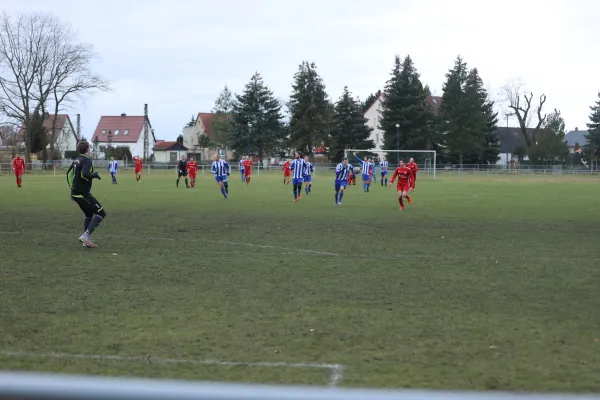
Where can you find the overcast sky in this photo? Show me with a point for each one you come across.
(177, 55)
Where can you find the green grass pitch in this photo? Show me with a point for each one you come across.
(483, 283)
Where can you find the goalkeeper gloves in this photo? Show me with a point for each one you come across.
(97, 176)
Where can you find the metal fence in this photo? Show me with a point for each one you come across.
(33, 386)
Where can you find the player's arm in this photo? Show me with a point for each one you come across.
(411, 178)
(357, 157)
(228, 168)
(69, 175)
(213, 168)
(86, 170)
(394, 177)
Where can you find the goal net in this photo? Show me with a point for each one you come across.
(425, 159)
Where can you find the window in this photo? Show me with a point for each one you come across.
(126, 132)
(221, 152)
(173, 156)
(103, 131)
(116, 132)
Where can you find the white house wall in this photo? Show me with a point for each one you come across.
(373, 116)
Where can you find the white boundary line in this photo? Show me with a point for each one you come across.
(334, 378)
(280, 250)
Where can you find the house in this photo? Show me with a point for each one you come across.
(125, 131)
(373, 116)
(203, 126)
(575, 137)
(63, 138)
(168, 152)
(512, 144)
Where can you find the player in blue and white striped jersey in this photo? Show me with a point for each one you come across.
(241, 168)
(365, 167)
(308, 176)
(298, 169)
(342, 171)
(384, 171)
(221, 170)
(113, 168)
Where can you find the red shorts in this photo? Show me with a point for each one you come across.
(287, 174)
(402, 187)
(192, 175)
(248, 173)
(18, 173)
(137, 170)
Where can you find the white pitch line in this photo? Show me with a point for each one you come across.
(336, 369)
(280, 250)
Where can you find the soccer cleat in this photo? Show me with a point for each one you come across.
(409, 200)
(401, 208)
(87, 241)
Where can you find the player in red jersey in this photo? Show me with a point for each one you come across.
(18, 166)
(139, 166)
(248, 168)
(405, 178)
(371, 173)
(414, 168)
(287, 173)
(352, 178)
(192, 167)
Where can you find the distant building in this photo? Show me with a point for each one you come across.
(168, 152)
(64, 136)
(373, 116)
(575, 137)
(203, 126)
(127, 131)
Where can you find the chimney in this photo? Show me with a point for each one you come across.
(123, 115)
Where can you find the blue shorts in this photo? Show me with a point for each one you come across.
(384, 173)
(242, 171)
(221, 178)
(340, 184)
(308, 178)
(366, 177)
(296, 181)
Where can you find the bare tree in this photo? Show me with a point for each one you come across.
(41, 66)
(513, 92)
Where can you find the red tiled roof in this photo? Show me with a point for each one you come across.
(167, 145)
(61, 120)
(207, 120)
(129, 128)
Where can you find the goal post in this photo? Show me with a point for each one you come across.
(425, 159)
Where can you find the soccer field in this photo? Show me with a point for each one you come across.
(483, 283)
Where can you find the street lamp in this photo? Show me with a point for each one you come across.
(248, 136)
(397, 143)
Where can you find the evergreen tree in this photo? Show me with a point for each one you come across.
(310, 118)
(427, 90)
(257, 106)
(456, 113)
(180, 139)
(593, 137)
(222, 122)
(484, 119)
(191, 122)
(405, 104)
(370, 100)
(349, 129)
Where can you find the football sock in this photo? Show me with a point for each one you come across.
(223, 191)
(93, 224)
(306, 189)
(336, 196)
(295, 189)
(365, 187)
(86, 223)
(341, 195)
(226, 185)
(409, 199)
(177, 182)
(401, 201)
(186, 182)
(299, 190)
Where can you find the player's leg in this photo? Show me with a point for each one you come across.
(18, 177)
(186, 180)
(406, 195)
(178, 178)
(341, 196)
(219, 181)
(226, 185)
(400, 201)
(337, 191)
(299, 190)
(248, 175)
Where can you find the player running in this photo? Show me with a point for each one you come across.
(182, 171)
(79, 177)
(365, 167)
(221, 170)
(241, 168)
(383, 164)
(113, 168)
(247, 169)
(405, 178)
(342, 172)
(286, 172)
(308, 175)
(414, 168)
(18, 166)
(139, 167)
(298, 168)
(192, 169)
